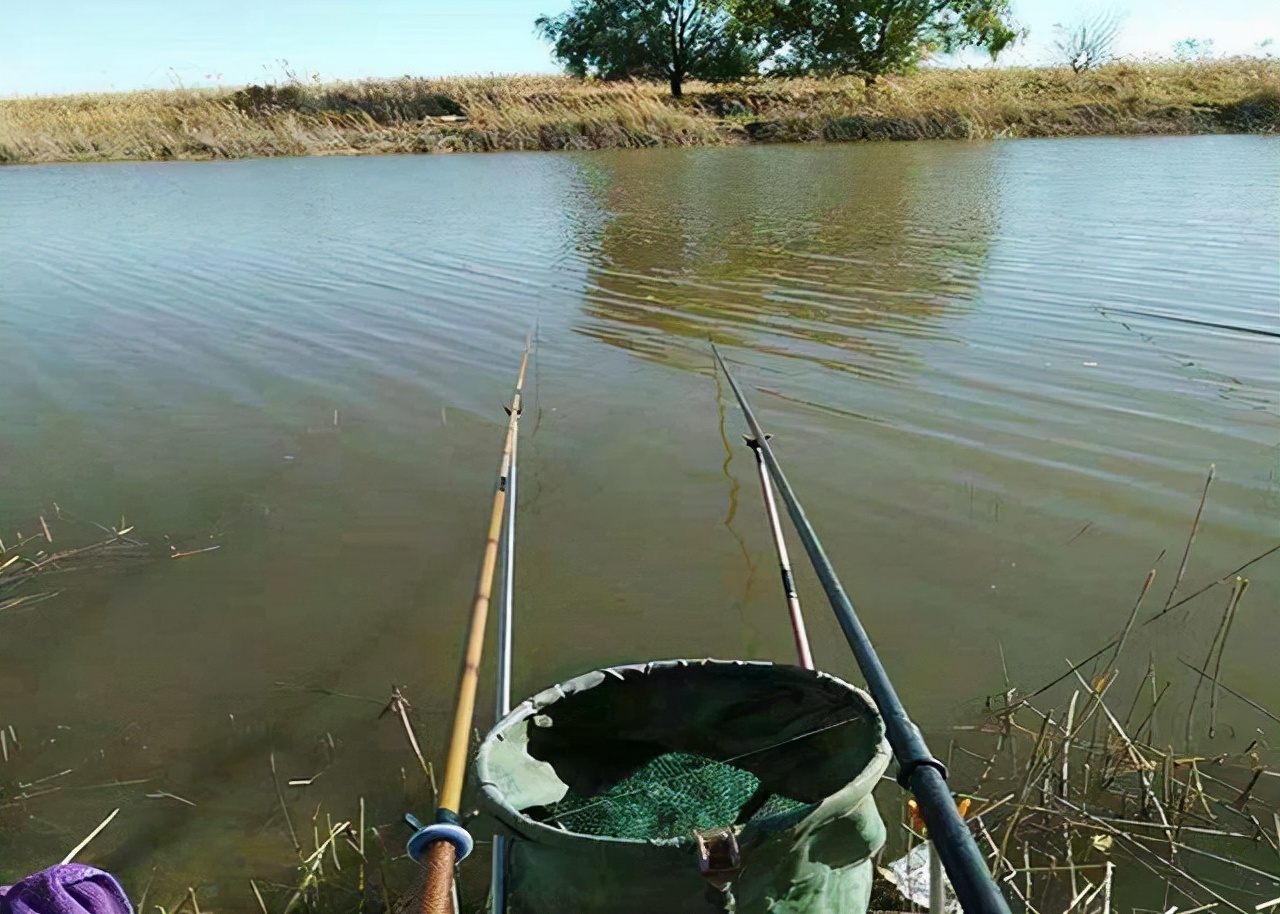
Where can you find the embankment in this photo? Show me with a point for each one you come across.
(411, 115)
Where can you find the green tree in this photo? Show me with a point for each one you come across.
(670, 40)
(870, 37)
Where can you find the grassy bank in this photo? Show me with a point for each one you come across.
(481, 114)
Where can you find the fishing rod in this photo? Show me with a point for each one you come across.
(918, 770)
(502, 701)
(803, 653)
(442, 844)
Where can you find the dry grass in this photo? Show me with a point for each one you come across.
(480, 114)
(57, 543)
(1077, 802)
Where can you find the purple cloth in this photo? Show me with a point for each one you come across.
(70, 888)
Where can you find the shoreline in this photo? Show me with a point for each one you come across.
(489, 114)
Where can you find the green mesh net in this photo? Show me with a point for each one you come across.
(669, 797)
(603, 782)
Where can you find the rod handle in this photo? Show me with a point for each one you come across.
(437, 898)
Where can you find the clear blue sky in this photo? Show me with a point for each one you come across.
(56, 46)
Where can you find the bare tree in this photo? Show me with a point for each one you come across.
(1089, 42)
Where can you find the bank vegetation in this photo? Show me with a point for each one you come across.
(412, 115)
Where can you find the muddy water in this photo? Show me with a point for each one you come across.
(996, 374)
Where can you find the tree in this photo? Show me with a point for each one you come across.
(671, 40)
(871, 37)
(1089, 43)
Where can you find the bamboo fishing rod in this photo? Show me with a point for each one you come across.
(918, 770)
(440, 846)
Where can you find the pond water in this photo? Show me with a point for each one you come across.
(997, 375)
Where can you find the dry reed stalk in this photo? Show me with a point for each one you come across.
(1137, 694)
(1219, 636)
(1133, 615)
(1057, 805)
(1159, 867)
(360, 850)
(400, 705)
(1158, 616)
(1065, 785)
(71, 855)
(20, 565)
(1155, 703)
(1230, 575)
(1191, 537)
(1242, 585)
(258, 895)
(1140, 764)
(1217, 682)
(284, 807)
(313, 865)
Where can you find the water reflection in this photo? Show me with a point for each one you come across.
(830, 255)
(179, 337)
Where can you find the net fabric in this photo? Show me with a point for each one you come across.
(604, 781)
(670, 797)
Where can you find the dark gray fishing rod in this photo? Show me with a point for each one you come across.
(918, 770)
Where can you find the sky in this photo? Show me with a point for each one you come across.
(63, 46)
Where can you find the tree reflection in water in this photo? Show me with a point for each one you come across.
(836, 255)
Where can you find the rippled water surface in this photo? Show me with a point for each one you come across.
(996, 374)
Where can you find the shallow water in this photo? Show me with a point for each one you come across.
(966, 354)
